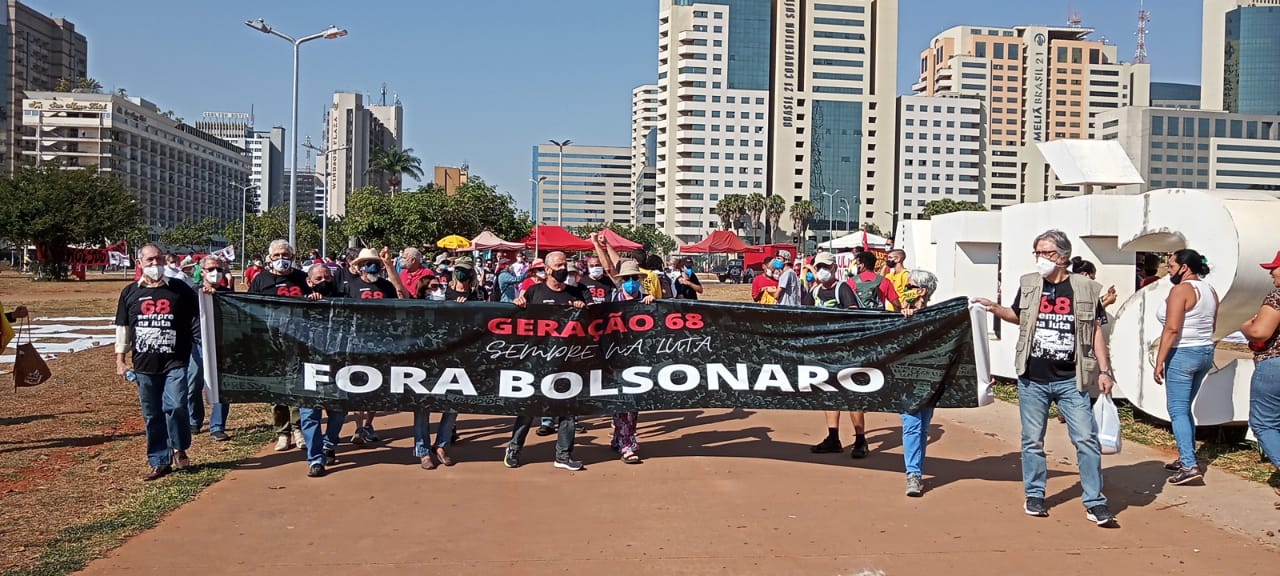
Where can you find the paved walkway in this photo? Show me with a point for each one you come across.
(723, 492)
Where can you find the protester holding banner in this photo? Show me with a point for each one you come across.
(915, 425)
(599, 286)
(281, 278)
(623, 440)
(1060, 343)
(833, 292)
(156, 318)
(213, 279)
(459, 291)
(553, 292)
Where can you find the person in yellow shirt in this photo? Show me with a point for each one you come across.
(651, 283)
(6, 321)
(897, 273)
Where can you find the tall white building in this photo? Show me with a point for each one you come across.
(939, 151)
(362, 129)
(644, 147)
(1040, 83)
(177, 172)
(596, 187)
(263, 148)
(793, 98)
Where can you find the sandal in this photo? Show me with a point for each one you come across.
(428, 463)
(443, 457)
(630, 457)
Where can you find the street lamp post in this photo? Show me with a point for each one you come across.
(560, 182)
(537, 213)
(244, 217)
(330, 33)
(324, 216)
(848, 213)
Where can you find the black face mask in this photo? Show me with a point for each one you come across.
(561, 275)
(324, 288)
(1176, 278)
(461, 274)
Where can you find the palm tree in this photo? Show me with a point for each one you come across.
(775, 207)
(88, 85)
(394, 164)
(727, 210)
(755, 205)
(802, 214)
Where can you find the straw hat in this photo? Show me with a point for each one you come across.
(367, 255)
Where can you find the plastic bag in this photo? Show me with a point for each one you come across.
(1107, 419)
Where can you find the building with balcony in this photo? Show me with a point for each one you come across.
(40, 51)
(177, 172)
(1038, 83)
(363, 129)
(644, 149)
(263, 148)
(596, 187)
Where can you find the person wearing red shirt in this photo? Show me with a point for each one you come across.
(536, 274)
(765, 284)
(411, 268)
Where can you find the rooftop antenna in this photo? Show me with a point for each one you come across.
(1073, 17)
(384, 94)
(1140, 56)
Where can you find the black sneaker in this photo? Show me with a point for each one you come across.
(568, 464)
(545, 430)
(580, 427)
(1186, 476)
(1174, 466)
(859, 450)
(219, 436)
(331, 456)
(828, 446)
(512, 458)
(316, 471)
(1035, 507)
(1101, 515)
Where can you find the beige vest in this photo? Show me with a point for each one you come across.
(1086, 294)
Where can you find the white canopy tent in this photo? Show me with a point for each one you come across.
(850, 241)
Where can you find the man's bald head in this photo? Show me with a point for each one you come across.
(556, 261)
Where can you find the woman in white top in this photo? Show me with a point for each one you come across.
(1186, 353)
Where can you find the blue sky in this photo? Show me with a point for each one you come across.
(483, 80)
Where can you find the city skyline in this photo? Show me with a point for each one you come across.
(485, 103)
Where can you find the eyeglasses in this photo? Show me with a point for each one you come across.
(912, 287)
(1045, 253)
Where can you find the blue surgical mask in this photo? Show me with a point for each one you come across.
(631, 286)
(372, 268)
(808, 276)
(688, 271)
(778, 265)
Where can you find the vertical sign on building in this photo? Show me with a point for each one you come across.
(1036, 42)
(790, 32)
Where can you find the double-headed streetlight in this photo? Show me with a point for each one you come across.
(244, 216)
(324, 217)
(560, 182)
(537, 213)
(332, 32)
(831, 215)
(848, 212)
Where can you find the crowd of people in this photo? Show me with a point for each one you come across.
(1062, 354)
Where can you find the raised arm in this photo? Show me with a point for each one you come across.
(389, 265)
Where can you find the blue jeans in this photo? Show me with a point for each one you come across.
(915, 436)
(1264, 407)
(1033, 405)
(195, 387)
(318, 443)
(218, 417)
(164, 414)
(564, 439)
(422, 431)
(1185, 370)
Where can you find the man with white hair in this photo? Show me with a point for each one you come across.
(283, 278)
(1060, 343)
(411, 268)
(213, 278)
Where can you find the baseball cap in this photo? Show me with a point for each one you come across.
(464, 262)
(1273, 264)
(784, 254)
(825, 258)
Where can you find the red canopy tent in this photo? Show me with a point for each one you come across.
(547, 237)
(719, 242)
(618, 242)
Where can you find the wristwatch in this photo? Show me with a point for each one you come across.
(1110, 373)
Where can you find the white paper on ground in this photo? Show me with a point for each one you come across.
(982, 353)
(77, 319)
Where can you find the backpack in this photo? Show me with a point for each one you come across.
(868, 292)
(814, 301)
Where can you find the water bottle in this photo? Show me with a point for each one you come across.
(130, 375)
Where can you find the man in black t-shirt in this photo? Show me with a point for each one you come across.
(1059, 345)
(156, 319)
(552, 292)
(597, 285)
(681, 280)
(281, 278)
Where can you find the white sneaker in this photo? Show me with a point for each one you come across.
(298, 440)
(282, 443)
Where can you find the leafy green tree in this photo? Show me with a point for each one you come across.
(54, 208)
(802, 214)
(873, 228)
(190, 235)
(274, 224)
(653, 240)
(947, 206)
(82, 85)
(420, 218)
(394, 165)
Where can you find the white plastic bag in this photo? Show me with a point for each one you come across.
(982, 354)
(1107, 419)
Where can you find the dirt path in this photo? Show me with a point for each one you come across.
(722, 492)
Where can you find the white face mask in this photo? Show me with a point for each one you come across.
(437, 294)
(153, 273)
(1045, 266)
(572, 280)
(824, 275)
(213, 277)
(282, 265)
(541, 274)
(674, 274)
(596, 272)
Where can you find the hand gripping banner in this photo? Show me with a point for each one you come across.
(489, 358)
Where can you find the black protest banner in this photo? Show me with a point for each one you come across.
(673, 354)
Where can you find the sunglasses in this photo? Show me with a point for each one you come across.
(212, 269)
(912, 287)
